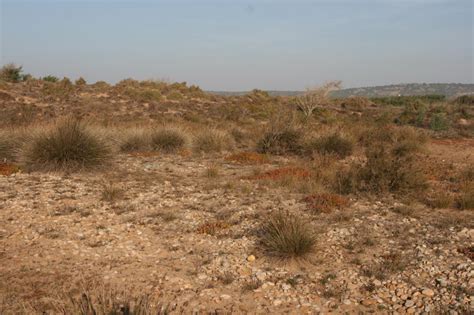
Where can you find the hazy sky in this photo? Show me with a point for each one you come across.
(240, 45)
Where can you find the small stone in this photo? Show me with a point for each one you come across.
(347, 302)
(409, 303)
(428, 292)
(368, 302)
(225, 296)
(261, 275)
(377, 283)
(251, 258)
(411, 310)
(277, 302)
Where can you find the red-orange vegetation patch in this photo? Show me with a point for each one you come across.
(248, 158)
(284, 172)
(8, 169)
(212, 228)
(325, 202)
(185, 153)
(468, 251)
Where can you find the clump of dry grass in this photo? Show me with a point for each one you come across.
(465, 200)
(68, 145)
(211, 140)
(212, 171)
(334, 144)
(285, 235)
(135, 140)
(111, 192)
(279, 142)
(168, 140)
(8, 146)
(283, 172)
(107, 300)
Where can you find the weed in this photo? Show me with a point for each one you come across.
(135, 140)
(11, 73)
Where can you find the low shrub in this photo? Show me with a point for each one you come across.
(168, 140)
(69, 145)
(285, 235)
(50, 78)
(280, 142)
(211, 140)
(212, 228)
(8, 146)
(282, 173)
(391, 164)
(11, 73)
(134, 140)
(332, 144)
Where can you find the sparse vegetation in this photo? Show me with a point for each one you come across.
(11, 73)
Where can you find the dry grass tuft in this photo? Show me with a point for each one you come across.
(168, 140)
(111, 192)
(333, 144)
(69, 145)
(135, 140)
(212, 140)
(285, 235)
(279, 142)
(325, 202)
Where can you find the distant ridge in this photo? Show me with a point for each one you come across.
(447, 89)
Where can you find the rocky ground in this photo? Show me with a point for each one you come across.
(186, 228)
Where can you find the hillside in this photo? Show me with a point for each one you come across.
(447, 89)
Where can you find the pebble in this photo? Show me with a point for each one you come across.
(428, 292)
(251, 258)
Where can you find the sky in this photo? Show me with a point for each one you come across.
(238, 45)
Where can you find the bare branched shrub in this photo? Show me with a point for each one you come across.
(315, 98)
(69, 145)
(285, 235)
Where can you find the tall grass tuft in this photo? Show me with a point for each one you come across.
(287, 236)
(70, 145)
(168, 140)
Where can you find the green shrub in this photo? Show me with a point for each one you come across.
(333, 144)
(70, 145)
(80, 81)
(167, 140)
(391, 166)
(280, 142)
(50, 78)
(11, 73)
(285, 235)
(439, 122)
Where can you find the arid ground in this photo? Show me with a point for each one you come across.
(180, 208)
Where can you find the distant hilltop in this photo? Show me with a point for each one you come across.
(447, 89)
